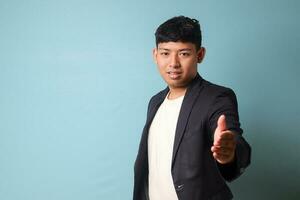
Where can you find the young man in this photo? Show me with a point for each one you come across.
(192, 141)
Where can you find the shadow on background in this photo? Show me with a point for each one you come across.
(274, 171)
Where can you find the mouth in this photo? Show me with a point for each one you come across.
(174, 74)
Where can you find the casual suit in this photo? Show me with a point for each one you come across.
(196, 174)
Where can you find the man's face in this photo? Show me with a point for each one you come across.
(177, 62)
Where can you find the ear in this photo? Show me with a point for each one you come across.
(201, 54)
(154, 54)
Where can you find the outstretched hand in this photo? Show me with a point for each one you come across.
(224, 142)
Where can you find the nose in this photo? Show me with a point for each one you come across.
(174, 62)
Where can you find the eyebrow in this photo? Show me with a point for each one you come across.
(186, 49)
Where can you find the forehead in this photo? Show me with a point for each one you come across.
(176, 46)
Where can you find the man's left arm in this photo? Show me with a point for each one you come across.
(230, 150)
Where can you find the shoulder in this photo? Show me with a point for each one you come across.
(212, 91)
(159, 96)
(156, 99)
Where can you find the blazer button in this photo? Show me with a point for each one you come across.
(179, 187)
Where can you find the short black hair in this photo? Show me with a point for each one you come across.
(179, 29)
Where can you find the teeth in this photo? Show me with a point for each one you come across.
(174, 75)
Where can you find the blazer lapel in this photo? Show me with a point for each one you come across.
(153, 109)
(186, 108)
(150, 115)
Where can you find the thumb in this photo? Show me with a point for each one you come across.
(222, 123)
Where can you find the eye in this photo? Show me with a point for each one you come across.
(184, 54)
(164, 53)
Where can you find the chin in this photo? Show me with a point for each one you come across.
(177, 85)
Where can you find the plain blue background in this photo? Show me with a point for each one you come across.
(76, 77)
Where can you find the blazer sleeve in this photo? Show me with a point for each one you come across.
(226, 103)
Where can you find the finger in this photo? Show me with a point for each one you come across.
(222, 158)
(227, 143)
(224, 142)
(222, 123)
(223, 151)
(224, 135)
(217, 142)
(224, 155)
(227, 135)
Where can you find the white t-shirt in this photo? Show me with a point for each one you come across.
(160, 150)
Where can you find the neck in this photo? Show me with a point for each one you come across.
(176, 92)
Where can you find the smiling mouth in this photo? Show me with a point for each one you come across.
(174, 75)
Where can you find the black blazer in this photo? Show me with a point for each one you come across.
(196, 174)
